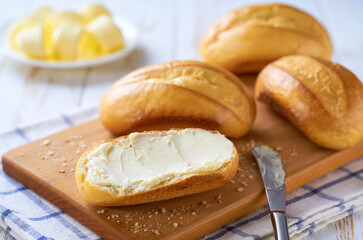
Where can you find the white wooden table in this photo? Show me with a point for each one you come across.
(169, 30)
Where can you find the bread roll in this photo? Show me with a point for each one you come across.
(178, 94)
(153, 166)
(323, 99)
(248, 38)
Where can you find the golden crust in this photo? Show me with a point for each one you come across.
(178, 94)
(195, 183)
(323, 99)
(248, 38)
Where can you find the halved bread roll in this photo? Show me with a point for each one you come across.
(178, 94)
(248, 38)
(156, 165)
(323, 99)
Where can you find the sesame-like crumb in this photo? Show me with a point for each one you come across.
(239, 189)
(101, 211)
(155, 231)
(218, 197)
(46, 142)
(175, 225)
(204, 203)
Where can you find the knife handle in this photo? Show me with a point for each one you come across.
(279, 223)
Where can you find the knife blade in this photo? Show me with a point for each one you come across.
(273, 177)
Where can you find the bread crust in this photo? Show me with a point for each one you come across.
(248, 38)
(178, 94)
(192, 184)
(321, 98)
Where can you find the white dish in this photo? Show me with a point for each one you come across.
(129, 33)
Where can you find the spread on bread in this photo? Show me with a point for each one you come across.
(64, 35)
(178, 94)
(248, 38)
(123, 168)
(323, 99)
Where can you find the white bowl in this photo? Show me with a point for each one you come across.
(129, 33)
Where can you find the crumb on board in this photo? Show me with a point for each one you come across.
(174, 217)
(101, 211)
(218, 197)
(279, 148)
(248, 146)
(46, 142)
(155, 232)
(240, 189)
(204, 203)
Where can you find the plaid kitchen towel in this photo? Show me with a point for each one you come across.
(28, 216)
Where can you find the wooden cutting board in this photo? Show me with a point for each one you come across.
(47, 167)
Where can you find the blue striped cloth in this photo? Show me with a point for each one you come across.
(28, 216)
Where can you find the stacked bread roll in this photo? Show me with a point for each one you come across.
(248, 38)
(323, 99)
(178, 94)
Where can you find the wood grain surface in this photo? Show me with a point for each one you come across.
(168, 30)
(47, 167)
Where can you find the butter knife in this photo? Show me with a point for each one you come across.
(273, 177)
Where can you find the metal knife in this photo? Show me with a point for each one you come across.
(273, 177)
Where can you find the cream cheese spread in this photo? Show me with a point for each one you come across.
(146, 160)
(271, 167)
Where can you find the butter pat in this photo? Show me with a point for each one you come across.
(148, 160)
